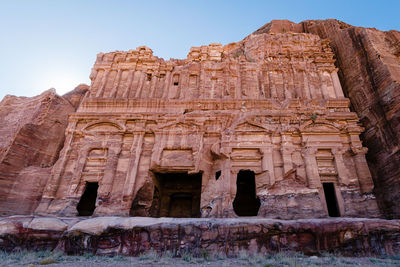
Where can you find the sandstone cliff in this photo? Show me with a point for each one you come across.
(368, 62)
(258, 127)
(369, 69)
(32, 134)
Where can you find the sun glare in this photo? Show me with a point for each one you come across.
(62, 81)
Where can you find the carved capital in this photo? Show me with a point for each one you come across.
(338, 150)
(288, 149)
(359, 150)
(309, 151)
(266, 150)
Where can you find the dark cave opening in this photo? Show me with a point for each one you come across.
(178, 195)
(246, 202)
(331, 201)
(87, 203)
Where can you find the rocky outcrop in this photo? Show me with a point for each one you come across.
(75, 96)
(135, 235)
(369, 69)
(32, 131)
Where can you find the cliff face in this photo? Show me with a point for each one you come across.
(258, 127)
(273, 65)
(32, 131)
(369, 69)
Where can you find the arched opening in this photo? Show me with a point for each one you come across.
(246, 203)
(87, 203)
(331, 201)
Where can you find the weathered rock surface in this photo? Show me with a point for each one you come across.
(135, 235)
(369, 69)
(32, 135)
(152, 137)
(221, 133)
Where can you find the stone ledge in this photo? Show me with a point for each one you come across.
(135, 235)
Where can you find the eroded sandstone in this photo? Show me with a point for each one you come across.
(32, 135)
(258, 127)
(133, 236)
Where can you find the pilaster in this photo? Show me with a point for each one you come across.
(310, 161)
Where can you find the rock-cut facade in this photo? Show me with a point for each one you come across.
(260, 127)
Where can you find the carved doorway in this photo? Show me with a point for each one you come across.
(87, 203)
(178, 195)
(331, 200)
(246, 202)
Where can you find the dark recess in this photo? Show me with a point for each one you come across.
(87, 204)
(331, 201)
(246, 203)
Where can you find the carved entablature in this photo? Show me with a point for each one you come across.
(246, 157)
(259, 67)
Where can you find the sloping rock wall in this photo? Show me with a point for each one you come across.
(32, 131)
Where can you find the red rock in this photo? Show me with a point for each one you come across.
(369, 69)
(132, 236)
(32, 131)
(258, 127)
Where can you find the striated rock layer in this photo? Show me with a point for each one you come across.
(369, 69)
(133, 236)
(32, 134)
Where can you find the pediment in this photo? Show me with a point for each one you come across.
(249, 127)
(180, 126)
(320, 127)
(103, 127)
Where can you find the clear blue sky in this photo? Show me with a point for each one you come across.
(54, 43)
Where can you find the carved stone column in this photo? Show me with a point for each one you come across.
(129, 185)
(109, 170)
(274, 94)
(103, 83)
(142, 78)
(363, 173)
(343, 174)
(336, 85)
(116, 83)
(75, 181)
(267, 163)
(287, 158)
(167, 82)
(307, 92)
(310, 161)
(226, 189)
(128, 84)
